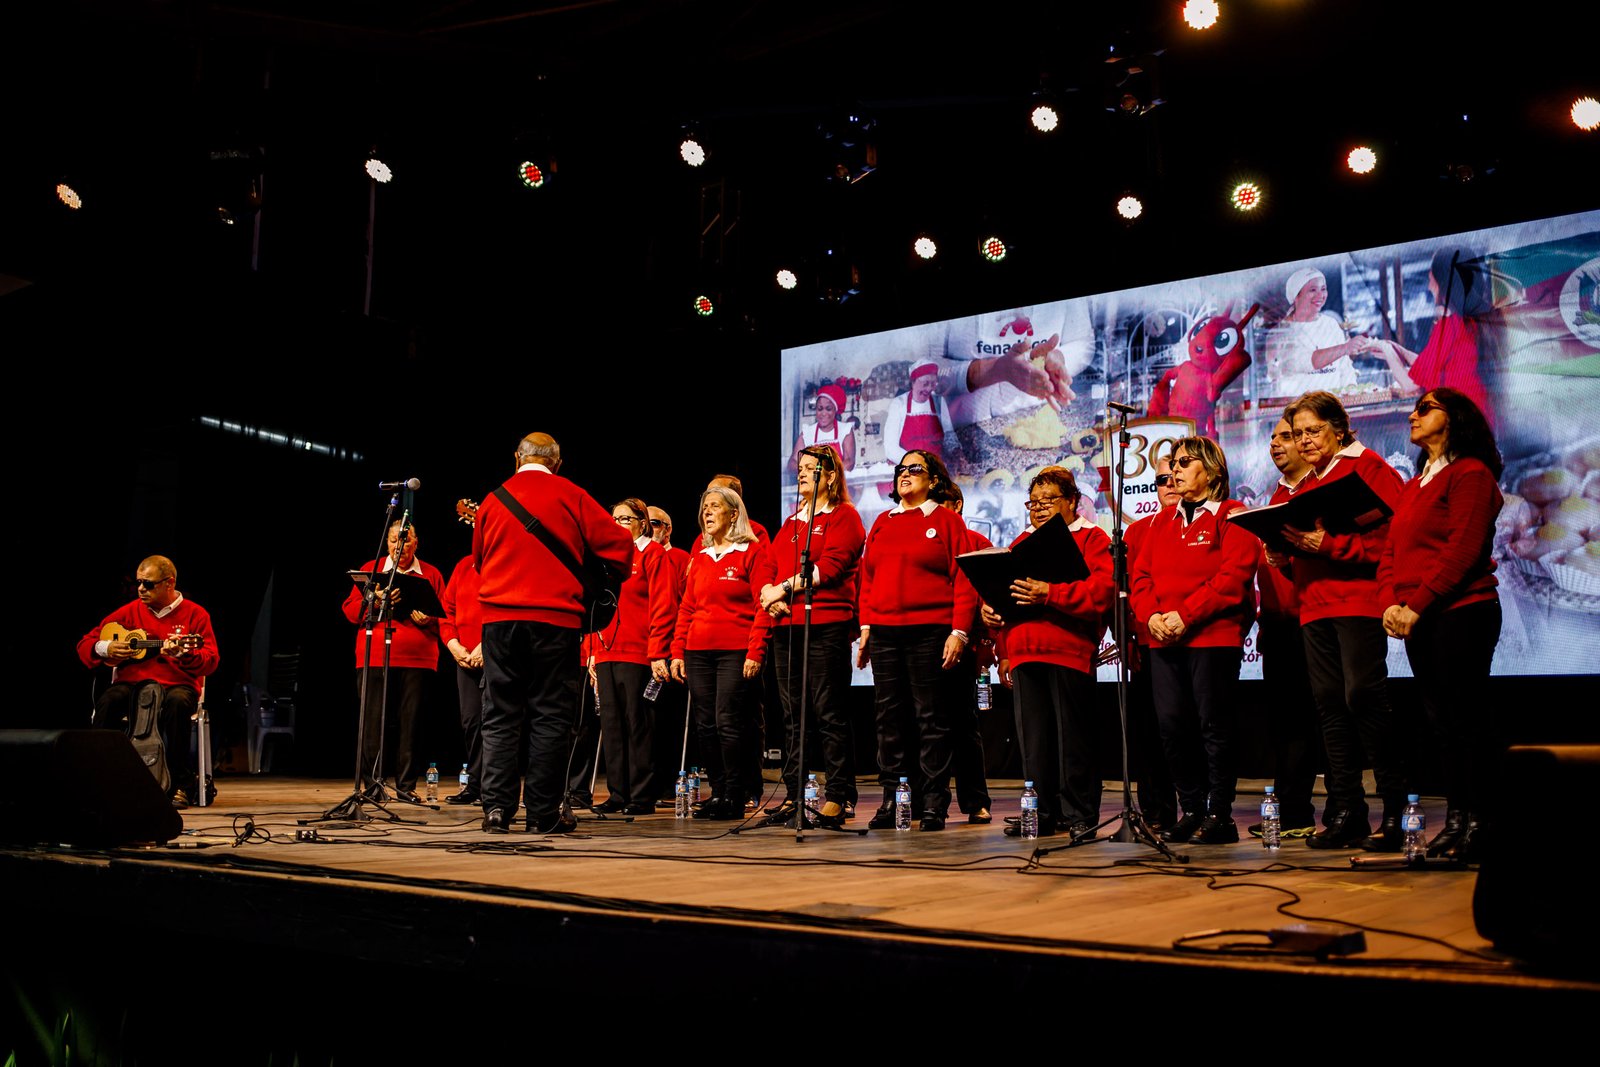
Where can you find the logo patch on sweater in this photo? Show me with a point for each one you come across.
(930, 533)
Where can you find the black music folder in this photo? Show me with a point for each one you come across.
(1345, 505)
(416, 592)
(1048, 554)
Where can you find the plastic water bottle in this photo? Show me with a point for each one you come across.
(464, 778)
(1029, 825)
(652, 690)
(902, 805)
(1271, 824)
(1411, 824)
(813, 795)
(694, 785)
(985, 692)
(433, 782)
(680, 797)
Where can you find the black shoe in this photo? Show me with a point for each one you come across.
(639, 809)
(785, 803)
(466, 796)
(495, 821)
(1344, 830)
(1184, 828)
(561, 824)
(1082, 833)
(579, 802)
(882, 819)
(782, 815)
(612, 806)
(402, 793)
(720, 810)
(1047, 827)
(1387, 838)
(180, 799)
(836, 820)
(981, 817)
(1468, 846)
(931, 820)
(1215, 830)
(1455, 824)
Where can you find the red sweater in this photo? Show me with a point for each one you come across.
(679, 559)
(1341, 579)
(414, 646)
(520, 579)
(1068, 634)
(646, 611)
(836, 540)
(186, 669)
(909, 575)
(1279, 601)
(1437, 555)
(463, 619)
(721, 607)
(1202, 569)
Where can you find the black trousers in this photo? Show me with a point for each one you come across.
(626, 721)
(1158, 798)
(532, 679)
(828, 734)
(394, 728)
(1450, 654)
(724, 704)
(1296, 732)
(470, 694)
(114, 709)
(912, 705)
(966, 735)
(585, 745)
(1059, 736)
(1346, 662)
(672, 754)
(1195, 692)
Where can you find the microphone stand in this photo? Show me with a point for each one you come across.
(1134, 828)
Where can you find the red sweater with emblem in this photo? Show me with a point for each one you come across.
(836, 539)
(414, 645)
(1202, 569)
(1340, 579)
(1437, 555)
(647, 609)
(909, 575)
(185, 669)
(721, 607)
(1068, 634)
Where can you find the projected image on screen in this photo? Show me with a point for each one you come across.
(1515, 326)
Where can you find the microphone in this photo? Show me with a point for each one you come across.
(1126, 409)
(409, 483)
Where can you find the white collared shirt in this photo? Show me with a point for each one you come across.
(1434, 467)
(717, 553)
(101, 648)
(926, 507)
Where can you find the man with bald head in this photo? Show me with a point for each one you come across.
(533, 620)
(186, 655)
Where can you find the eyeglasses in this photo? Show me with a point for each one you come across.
(909, 468)
(658, 523)
(1043, 503)
(1163, 479)
(624, 520)
(1425, 406)
(1310, 432)
(1183, 462)
(150, 583)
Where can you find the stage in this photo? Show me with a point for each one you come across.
(607, 921)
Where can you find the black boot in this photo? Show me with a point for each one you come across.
(1388, 837)
(1454, 824)
(1468, 846)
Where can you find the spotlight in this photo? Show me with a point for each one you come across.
(1246, 196)
(1130, 207)
(1201, 14)
(924, 247)
(1045, 119)
(692, 151)
(378, 170)
(703, 306)
(1586, 113)
(993, 249)
(1362, 160)
(531, 173)
(787, 279)
(68, 196)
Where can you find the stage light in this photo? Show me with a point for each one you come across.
(787, 279)
(1586, 113)
(1362, 160)
(1130, 207)
(531, 173)
(1246, 196)
(1201, 14)
(1044, 118)
(69, 196)
(993, 249)
(691, 152)
(703, 306)
(924, 247)
(378, 170)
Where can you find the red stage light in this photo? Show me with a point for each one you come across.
(531, 175)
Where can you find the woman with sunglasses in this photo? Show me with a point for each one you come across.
(718, 645)
(625, 657)
(1191, 585)
(917, 611)
(827, 531)
(1436, 575)
(1048, 659)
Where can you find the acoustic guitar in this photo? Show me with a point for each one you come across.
(143, 644)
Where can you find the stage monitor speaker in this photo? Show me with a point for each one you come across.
(80, 787)
(1534, 898)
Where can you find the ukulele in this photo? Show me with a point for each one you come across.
(143, 644)
(467, 511)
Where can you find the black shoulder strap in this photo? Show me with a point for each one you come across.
(537, 528)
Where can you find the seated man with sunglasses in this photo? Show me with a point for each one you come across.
(175, 651)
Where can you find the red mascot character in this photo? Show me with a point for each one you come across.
(1216, 358)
